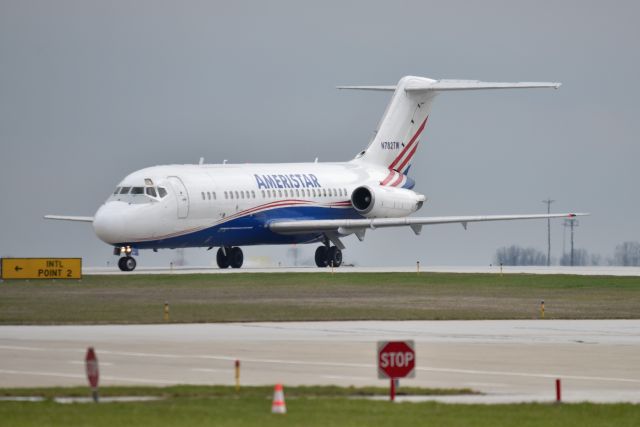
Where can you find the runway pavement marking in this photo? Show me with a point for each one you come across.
(15, 347)
(80, 362)
(345, 377)
(64, 375)
(211, 370)
(355, 365)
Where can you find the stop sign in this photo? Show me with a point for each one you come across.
(91, 365)
(396, 359)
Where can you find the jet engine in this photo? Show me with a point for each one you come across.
(385, 202)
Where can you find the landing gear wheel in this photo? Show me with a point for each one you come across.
(127, 263)
(222, 259)
(334, 256)
(321, 256)
(236, 257)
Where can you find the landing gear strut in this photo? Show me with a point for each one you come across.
(328, 255)
(230, 257)
(127, 263)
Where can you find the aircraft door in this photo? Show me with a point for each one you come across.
(182, 197)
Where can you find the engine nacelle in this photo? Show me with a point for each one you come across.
(385, 202)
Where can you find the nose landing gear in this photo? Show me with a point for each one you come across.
(328, 255)
(232, 257)
(127, 263)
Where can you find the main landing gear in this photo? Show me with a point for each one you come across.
(230, 257)
(127, 263)
(328, 255)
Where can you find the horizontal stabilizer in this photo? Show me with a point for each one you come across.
(70, 218)
(323, 225)
(423, 84)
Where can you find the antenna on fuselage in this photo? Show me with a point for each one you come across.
(316, 160)
(224, 162)
(201, 162)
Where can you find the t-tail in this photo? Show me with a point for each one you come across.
(398, 135)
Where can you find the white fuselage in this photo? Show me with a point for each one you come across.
(231, 204)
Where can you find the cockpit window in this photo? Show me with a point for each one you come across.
(151, 191)
(125, 190)
(162, 192)
(137, 190)
(117, 190)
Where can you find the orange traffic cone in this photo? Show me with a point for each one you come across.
(278, 406)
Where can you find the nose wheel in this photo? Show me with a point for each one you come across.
(326, 256)
(127, 263)
(230, 257)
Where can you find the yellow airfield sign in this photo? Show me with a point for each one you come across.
(41, 268)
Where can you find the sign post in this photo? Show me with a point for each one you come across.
(396, 359)
(91, 365)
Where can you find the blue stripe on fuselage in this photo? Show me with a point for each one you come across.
(251, 229)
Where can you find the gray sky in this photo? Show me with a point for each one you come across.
(91, 91)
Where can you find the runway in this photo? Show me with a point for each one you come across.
(597, 360)
(582, 270)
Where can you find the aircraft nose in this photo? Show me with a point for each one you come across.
(109, 223)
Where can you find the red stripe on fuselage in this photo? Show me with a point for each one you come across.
(388, 178)
(397, 181)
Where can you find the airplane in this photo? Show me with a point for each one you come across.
(233, 205)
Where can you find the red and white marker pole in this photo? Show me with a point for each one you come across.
(93, 375)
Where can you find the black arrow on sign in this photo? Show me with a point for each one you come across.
(18, 268)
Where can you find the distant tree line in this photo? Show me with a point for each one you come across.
(625, 254)
(516, 255)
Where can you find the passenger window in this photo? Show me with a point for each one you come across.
(137, 190)
(151, 192)
(208, 195)
(263, 194)
(253, 194)
(162, 192)
(214, 195)
(286, 193)
(125, 190)
(231, 195)
(280, 193)
(308, 193)
(203, 195)
(242, 194)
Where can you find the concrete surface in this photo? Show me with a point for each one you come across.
(597, 360)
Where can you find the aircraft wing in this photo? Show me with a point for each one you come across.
(70, 218)
(358, 226)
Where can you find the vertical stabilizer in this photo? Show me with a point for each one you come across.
(403, 123)
(401, 127)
